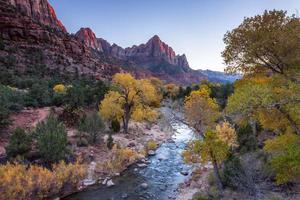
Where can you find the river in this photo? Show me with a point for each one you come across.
(161, 177)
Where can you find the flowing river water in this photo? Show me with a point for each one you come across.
(158, 181)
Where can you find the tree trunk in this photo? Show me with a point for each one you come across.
(217, 174)
(126, 119)
(253, 124)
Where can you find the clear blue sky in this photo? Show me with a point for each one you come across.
(193, 27)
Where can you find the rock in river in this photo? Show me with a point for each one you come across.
(184, 173)
(144, 185)
(151, 153)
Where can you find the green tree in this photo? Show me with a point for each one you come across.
(285, 151)
(93, 125)
(264, 43)
(19, 143)
(51, 140)
(39, 95)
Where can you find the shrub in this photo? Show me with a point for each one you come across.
(71, 116)
(19, 144)
(246, 139)
(4, 114)
(110, 142)
(39, 95)
(214, 193)
(200, 196)
(35, 182)
(59, 88)
(75, 97)
(11, 100)
(120, 159)
(285, 151)
(82, 142)
(151, 145)
(93, 125)
(115, 126)
(51, 140)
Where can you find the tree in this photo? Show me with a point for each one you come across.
(92, 124)
(285, 151)
(201, 111)
(19, 143)
(171, 90)
(269, 42)
(51, 140)
(274, 101)
(227, 134)
(60, 88)
(132, 100)
(211, 148)
(39, 95)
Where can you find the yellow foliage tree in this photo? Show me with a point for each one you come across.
(172, 90)
(227, 134)
(134, 99)
(211, 148)
(59, 88)
(201, 111)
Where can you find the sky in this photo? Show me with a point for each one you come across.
(192, 27)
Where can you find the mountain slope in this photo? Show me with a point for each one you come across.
(31, 36)
(220, 77)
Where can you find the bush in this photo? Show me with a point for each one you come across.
(59, 88)
(214, 193)
(4, 114)
(151, 145)
(200, 196)
(246, 139)
(285, 161)
(51, 140)
(39, 95)
(115, 126)
(120, 159)
(71, 116)
(110, 142)
(82, 142)
(35, 182)
(11, 101)
(75, 97)
(235, 177)
(19, 144)
(92, 125)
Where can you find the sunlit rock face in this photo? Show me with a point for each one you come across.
(32, 30)
(155, 55)
(88, 37)
(39, 10)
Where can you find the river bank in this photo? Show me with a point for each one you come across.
(137, 140)
(159, 178)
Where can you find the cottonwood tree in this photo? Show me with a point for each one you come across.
(264, 43)
(214, 147)
(272, 101)
(134, 99)
(200, 110)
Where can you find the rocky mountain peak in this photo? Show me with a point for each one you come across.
(38, 10)
(88, 37)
